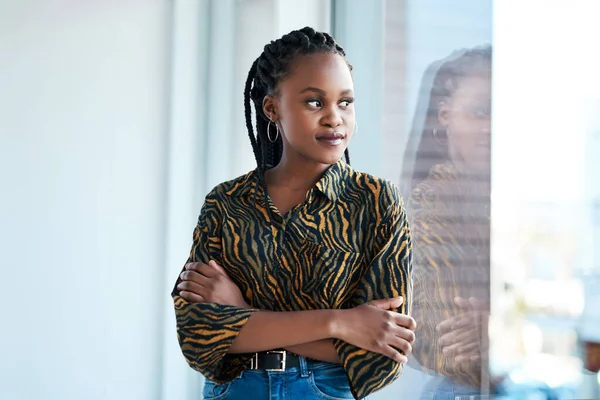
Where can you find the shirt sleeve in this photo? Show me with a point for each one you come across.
(388, 275)
(205, 330)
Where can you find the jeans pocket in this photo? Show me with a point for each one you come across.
(330, 383)
(214, 391)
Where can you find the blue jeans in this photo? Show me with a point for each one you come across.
(443, 388)
(312, 380)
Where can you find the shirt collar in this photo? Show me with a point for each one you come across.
(246, 186)
(333, 181)
(331, 184)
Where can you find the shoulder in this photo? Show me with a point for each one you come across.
(425, 193)
(440, 183)
(379, 193)
(237, 187)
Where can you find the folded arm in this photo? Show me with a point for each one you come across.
(388, 275)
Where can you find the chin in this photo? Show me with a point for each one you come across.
(324, 156)
(331, 158)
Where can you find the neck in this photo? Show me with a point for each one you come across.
(295, 173)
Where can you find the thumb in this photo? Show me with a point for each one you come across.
(213, 264)
(388, 304)
(462, 303)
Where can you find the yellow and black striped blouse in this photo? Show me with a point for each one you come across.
(347, 244)
(450, 221)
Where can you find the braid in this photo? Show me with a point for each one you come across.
(264, 75)
(248, 113)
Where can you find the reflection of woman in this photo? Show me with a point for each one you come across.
(449, 188)
(273, 300)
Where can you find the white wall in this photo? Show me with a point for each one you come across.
(83, 122)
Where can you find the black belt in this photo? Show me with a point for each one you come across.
(275, 360)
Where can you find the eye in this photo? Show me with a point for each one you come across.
(482, 112)
(316, 103)
(346, 102)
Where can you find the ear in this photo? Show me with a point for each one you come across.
(270, 107)
(444, 113)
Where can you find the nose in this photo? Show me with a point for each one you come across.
(333, 118)
(487, 128)
(486, 133)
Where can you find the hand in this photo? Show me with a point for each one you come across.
(464, 336)
(372, 327)
(209, 283)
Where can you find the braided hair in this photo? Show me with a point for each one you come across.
(266, 72)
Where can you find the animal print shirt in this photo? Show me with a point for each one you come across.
(450, 220)
(347, 244)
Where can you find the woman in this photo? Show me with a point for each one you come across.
(449, 205)
(298, 284)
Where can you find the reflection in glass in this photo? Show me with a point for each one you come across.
(447, 184)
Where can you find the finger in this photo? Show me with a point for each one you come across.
(451, 350)
(192, 297)
(469, 350)
(461, 337)
(401, 344)
(461, 302)
(395, 355)
(217, 267)
(204, 269)
(405, 334)
(464, 304)
(478, 305)
(190, 266)
(387, 304)
(194, 266)
(405, 321)
(465, 321)
(446, 325)
(197, 277)
(192, 287)
(447, 339)
(473, 358)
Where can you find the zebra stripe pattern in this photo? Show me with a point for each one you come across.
(347, 244)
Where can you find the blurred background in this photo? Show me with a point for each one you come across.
(117, 117)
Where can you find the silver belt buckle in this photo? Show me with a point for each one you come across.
(282, 363)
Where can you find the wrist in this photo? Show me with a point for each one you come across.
(335, 324)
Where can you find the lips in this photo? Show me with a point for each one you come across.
(331, 139)
(331, 136)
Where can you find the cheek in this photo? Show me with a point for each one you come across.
(462, 136)
(465, 129)
(299, 123)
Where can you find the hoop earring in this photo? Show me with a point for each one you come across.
(436, 137)
(269, 132)
(355, 130)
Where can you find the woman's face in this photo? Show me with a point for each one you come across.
(466, 117)
(314, 108)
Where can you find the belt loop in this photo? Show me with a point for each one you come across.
(303, 367)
